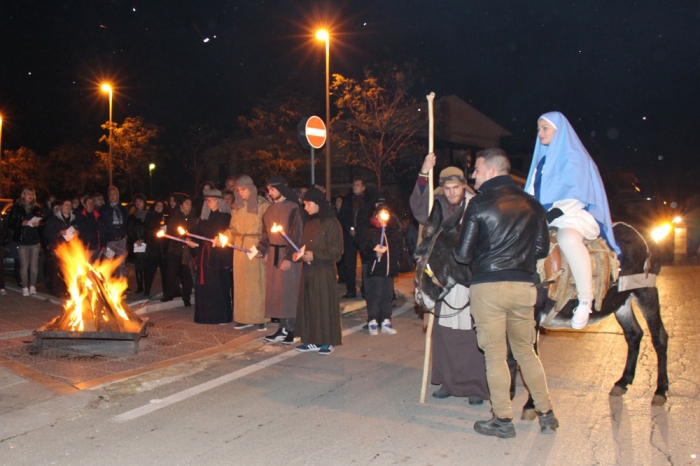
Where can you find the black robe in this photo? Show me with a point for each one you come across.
(213, 302)
(318, 312)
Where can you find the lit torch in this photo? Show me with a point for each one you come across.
(384, 220)
(278, 229)
(161, 234)
(223, 239)
(182, 231)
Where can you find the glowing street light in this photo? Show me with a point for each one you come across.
(150, 174)
(107, 88)
(0, 154)
(324, 36)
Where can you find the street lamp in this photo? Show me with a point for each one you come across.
(150, 174)
(107, 88)
(0, 155)
(324, 36)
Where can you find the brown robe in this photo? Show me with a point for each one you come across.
(245, 231)
(318, 313)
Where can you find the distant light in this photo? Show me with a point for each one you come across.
(133, 8)
(661, 157)
(152, 166)
(206, 39)
(322, 34)
(364, 24)
(644, 118)
(30, 73)
(106, 87)
(214, 37)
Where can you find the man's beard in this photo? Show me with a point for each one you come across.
(276, 197)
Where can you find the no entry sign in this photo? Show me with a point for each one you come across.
(315, 131)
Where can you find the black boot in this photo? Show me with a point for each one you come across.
(548, 423)
(496, 426)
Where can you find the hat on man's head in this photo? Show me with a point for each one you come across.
(315, 195)
(452, 174)
(214, 193)
(277, 180)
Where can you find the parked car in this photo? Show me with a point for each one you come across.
(652, 217)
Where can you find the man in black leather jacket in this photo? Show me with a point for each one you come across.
(504, 233)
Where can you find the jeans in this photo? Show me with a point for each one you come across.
(28, 264)
(504, 311)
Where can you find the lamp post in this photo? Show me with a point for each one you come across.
(107, 88)
(0, 155)
(324, 36)
(150, 174)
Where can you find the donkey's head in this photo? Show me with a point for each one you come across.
(437, 271)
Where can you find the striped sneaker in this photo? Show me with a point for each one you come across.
(307, 347)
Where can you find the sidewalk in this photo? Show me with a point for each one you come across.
(67, 366)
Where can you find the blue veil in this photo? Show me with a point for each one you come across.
(569, 172)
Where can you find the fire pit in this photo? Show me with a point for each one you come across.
(95, 309)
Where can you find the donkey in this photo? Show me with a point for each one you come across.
(437, 272)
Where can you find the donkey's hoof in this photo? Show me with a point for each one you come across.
(529, 414)
(617, 391)
(658, 400)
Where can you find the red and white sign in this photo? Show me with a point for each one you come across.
(315, 132)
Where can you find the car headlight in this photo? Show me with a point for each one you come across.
(661, 232)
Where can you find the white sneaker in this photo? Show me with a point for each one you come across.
(388, 328)
(25, 291)
(373, 328)
(32, 290)
(3, 292)
(580, 318)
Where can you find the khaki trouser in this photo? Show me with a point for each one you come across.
(506, 310)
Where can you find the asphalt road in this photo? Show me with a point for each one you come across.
(266, 404)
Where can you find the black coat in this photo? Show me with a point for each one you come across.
(25, 235)
(89, 229)
(108, 230)
(393, 254)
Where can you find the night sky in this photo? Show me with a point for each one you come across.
(625, 73)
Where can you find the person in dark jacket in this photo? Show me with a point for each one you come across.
(88, 226)
(4, 238)
(156, 251)
(503, 235)
(113, 220)
(59, 229)
(380, 250)
(136, 239)
(26, 221)
(353, 216)
(179, 265)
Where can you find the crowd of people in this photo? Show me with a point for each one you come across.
(252, 256)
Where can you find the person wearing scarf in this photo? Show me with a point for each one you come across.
(213, 280)
(245, 231)
(318, 312)
(566, 181)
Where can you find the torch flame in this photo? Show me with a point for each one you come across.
(181, 230)
(384, 215)
(223, 239)
(160, 233)
(276, 228)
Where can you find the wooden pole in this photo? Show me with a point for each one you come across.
(431, 317)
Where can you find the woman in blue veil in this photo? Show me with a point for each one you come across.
(565, 179)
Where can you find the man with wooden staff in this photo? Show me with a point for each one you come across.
(458, 364)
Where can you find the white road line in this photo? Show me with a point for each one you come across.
(201, 388)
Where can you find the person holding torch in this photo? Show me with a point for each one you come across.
(380, 249)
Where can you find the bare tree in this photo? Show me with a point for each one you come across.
(379, 116)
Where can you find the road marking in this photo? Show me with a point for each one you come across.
(157, 404)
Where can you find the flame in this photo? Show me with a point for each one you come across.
(384, 215)
(223, 239)
(276, 228)
(84, 311)
(181, 230)
(160, 233)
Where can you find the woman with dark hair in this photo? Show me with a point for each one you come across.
(380, 250)
(213, 281)
(57, 231)
(156, 250)
(179, 267)
(318, 311)
(26, 218)
(136, 239)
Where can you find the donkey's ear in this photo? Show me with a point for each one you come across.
(434, 221)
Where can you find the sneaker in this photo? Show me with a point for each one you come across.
(548, 423)
(496, 427)
(289, 339)
(441, 393)
(475, 400)
(238, 326)
(325, 350)
(32, 290)
(261, 327)
(373, 328)
(3, 292)
(580, 318)
(25, 291)
(388, 328)
(307, 347)
(279, 335)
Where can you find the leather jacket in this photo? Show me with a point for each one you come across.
(504, 233)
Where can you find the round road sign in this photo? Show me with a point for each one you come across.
(315, 132)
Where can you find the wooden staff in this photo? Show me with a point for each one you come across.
(430, 316)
